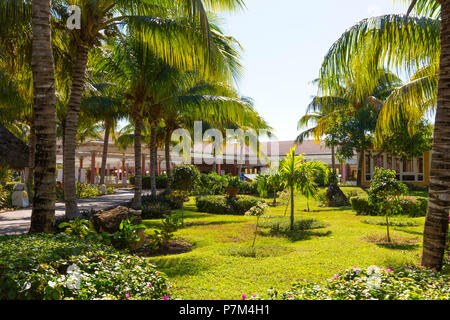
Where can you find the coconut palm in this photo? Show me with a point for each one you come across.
(44, 108)
(414, 44)
(104, 104)
(352, 93)
(177, 30)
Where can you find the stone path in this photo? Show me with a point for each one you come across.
(18, 222)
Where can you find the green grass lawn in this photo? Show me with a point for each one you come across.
(215, 270)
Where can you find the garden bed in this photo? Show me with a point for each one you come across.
(176, 246)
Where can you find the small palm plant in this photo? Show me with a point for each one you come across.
(290, 170)
(307, 185)
(298, 174)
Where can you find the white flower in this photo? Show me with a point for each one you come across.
(52, 284)
(374, 282)
(74, 279)
(73, 269)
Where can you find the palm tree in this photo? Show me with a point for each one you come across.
(306, 182)
(352, 93)
(104, 104)
(290, 169)
(44, 109)
(161, 26)
(413, 43)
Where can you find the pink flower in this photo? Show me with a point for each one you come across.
(166, 297)
(335, 277)
(243, 297)
(127, 296)
(389, 270)
(150, 284)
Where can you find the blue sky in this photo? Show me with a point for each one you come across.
(285, 42)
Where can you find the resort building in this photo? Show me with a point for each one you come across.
(232, 159)
(415, 171)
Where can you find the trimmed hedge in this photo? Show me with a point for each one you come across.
(225, 205)
(162, 181)
(54, 267)
(409, 206)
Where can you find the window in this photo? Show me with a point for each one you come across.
(379, 161)
(389, 162)
(367, 162)
(420, 165)
(397, 165)
(408, 166)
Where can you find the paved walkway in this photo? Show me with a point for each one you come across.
(18, 222)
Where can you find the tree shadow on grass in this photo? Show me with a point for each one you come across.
(295, 236)
(155, 224)
(208, 223)
(333, 209)
(394, 246)
(180, 266)
(417, 233)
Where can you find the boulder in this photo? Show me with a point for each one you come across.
(335, 197)
(109, 220)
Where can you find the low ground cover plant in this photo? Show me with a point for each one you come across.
(49, 267)
(406, 283)
(279, 226)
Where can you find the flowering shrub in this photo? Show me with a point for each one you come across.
(225, 205)
(65, 267)
(407, 283)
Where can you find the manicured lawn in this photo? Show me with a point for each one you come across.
(213, 270)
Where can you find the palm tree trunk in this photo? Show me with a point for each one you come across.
(153, 160)
(360, 168)
(44, 106)
(167, 152)
(292, 209)
(32, 146)
(108, 125)
(333, 160)
(137, 203)
(70, 133)
(436, 225)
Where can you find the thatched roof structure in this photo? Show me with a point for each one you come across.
(14, 152)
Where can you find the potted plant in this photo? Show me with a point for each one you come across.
(233, 187)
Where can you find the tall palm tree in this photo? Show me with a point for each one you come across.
(178, 31)
(353, 92)
(44, 108)
(105, 105)
(412, 43)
